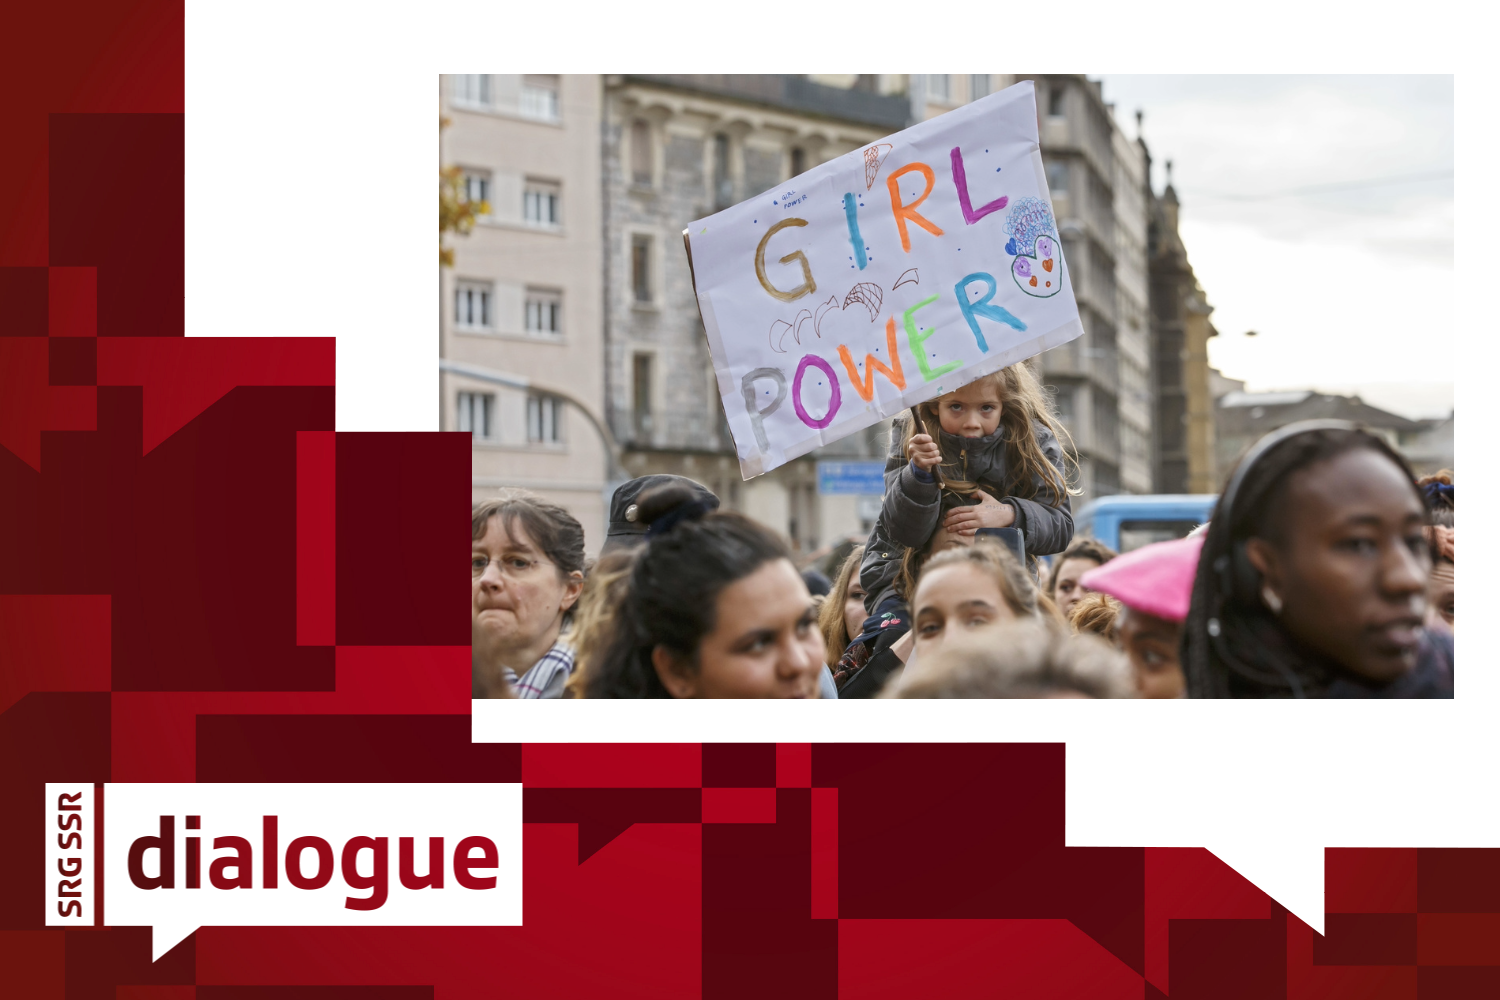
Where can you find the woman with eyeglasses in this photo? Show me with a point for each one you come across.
(527, 573)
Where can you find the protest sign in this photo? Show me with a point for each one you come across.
(882, 278)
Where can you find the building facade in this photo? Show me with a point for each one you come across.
(1078, 152)
(1243, 418)
(1133, 314)
(524, 297)
(677, 149)
(1186, 460)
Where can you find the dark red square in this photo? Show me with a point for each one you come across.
(1457, 982)
(1458, 880)
(400, 501)
(1367, 939)
(739, 765)
(23, 302)
(72, 360)
(1228, 959)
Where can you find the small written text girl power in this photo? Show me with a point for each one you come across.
(988, 457)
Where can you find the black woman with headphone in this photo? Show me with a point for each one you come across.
(1312, 581)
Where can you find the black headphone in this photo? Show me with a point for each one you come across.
(1238, 578)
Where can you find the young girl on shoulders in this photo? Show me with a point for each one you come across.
(988, 457)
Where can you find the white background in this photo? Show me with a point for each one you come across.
(335, 812)
(311, 153)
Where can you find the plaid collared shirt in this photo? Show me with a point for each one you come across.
(547, 676)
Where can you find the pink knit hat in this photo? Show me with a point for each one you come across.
(1156, 579)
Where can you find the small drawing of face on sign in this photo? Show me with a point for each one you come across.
(1039, 274)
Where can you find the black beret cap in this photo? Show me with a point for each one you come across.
(624, 529)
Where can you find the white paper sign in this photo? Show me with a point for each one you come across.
(888, 276)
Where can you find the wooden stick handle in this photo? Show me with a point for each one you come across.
(921, 426)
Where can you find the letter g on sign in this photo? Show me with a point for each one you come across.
(807, 287)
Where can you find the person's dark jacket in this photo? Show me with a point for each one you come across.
(914, 509)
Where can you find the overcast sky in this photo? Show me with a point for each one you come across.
(1318, 212)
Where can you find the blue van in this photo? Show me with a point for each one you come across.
(1125, 521)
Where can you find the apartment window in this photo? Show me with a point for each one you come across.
(799, 160)
(1055, 100)
(473, 306)
(1057, 178)
(979, 86)
(476, 187)
(472, 89)
(938, 88)
(1064, 403)
(475, 414)
(723, 185)
(540, 204)
(543, 419)
(641, 394)
(539, 97)
(640, 153)
(640, 268)
(543, 312)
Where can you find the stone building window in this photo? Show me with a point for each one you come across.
(723, 182)
(543, 312)
(640, 391)
(472, 89)
(1064, 403)
(543, 419)
(938, 87)
(640, 269)
(541, 203)
(640, 153)
(799, 160)
(539, 97)
(475, 414)
(1055, 97)
(1057, 178)
(979, 86)
(476, 186)
(473, 306)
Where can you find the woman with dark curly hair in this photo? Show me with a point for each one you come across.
(714, 608)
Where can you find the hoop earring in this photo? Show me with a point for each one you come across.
(1271, 598)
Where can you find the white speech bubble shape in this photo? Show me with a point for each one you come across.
(336, 814)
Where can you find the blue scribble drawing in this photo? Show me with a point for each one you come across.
(1028, 219)
(1039, 273)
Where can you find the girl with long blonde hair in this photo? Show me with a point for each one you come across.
(987, 455)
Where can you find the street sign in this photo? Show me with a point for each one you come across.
(851, 478)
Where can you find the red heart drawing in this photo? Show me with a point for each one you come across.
(1033, 281)
(1047, 264)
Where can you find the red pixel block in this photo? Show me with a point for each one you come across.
(29, 405)
(72, 301)
(183, 376)
(52, 642)
(1036, 959)
(1190, 883)
(739, 805)
(1370, 880)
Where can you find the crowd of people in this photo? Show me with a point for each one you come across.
(1326, 570)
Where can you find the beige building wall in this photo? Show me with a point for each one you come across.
(1133, 324)
(524, 295)
(677, 149)
(1203, 476)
